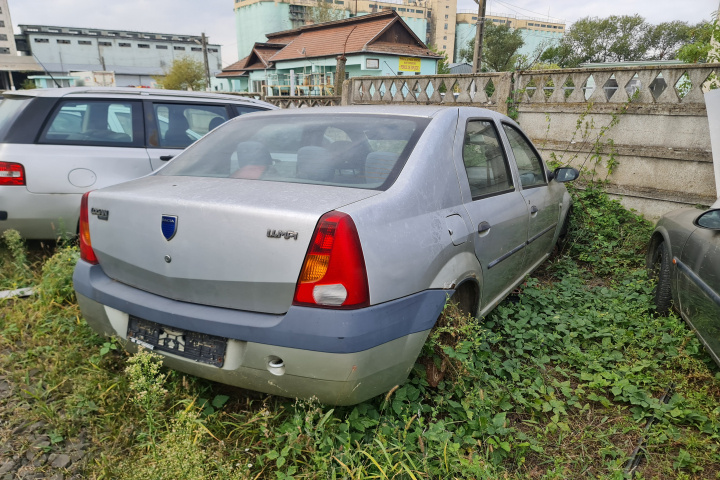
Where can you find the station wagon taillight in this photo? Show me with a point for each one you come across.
(333, 273)
(86, 250)
(12, 174)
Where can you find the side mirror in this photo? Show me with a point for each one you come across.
(709, 220)
(565, 174)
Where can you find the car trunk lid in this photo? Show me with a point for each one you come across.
(214, 241)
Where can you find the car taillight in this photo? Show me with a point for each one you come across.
(333, 273)
(12, 174)
(86, 250)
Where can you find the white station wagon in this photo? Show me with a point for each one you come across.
(58, 143)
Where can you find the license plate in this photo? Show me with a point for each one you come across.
(199, 347)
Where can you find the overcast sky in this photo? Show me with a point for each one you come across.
(216, 18)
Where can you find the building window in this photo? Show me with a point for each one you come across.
(42, 40)
(446, 17)
(212, 50)
(4, 37)
(444, 38)
(444, 47)
(179, 48)
(446, 26)
(2, 23)
(161, 47)
(105, 44)
(84, 42)
(124, 44)
(143, 45)
(196, 49)
(4, 51)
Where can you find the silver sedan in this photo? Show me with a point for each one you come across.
(684, 258)
(309, 253)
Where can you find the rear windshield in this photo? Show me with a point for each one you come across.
(9, 109)
(360, 151)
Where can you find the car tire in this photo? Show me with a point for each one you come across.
(660, 272)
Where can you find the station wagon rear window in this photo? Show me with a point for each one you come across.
(359, 151)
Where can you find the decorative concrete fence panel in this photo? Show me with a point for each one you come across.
(489, 90)
(644, 129)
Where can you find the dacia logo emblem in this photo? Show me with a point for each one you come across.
(169, 225)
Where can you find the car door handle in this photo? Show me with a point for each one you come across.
(165, 158)
(533, 210)
(483, 227)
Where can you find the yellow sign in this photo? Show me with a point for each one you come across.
(409, 64)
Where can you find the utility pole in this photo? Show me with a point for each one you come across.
(479, 32)
(207, 65)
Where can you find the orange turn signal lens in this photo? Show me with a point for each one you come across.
(315, 268)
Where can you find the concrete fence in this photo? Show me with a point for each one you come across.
(649, 123)
(643, 129)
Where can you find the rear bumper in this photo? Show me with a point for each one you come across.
(339, 356)
(39, 216)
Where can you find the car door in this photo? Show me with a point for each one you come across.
(699, 285)
(495, 205)
(543, 204)
(88, 143)
(172, 126)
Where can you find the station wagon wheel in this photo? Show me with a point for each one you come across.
(660, 272)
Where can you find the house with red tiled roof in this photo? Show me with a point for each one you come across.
(303, 60)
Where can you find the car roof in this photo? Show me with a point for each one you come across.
(428, 111)
(129, 91)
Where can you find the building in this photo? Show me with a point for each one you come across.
(303, 60)
(10, 59)
(535, 32)
(254, 18)
(436, 22)
(134, 56)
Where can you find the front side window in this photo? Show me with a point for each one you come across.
(179, 125)
(359, 151)
(530, 166)
(487, 168)
(91, 122)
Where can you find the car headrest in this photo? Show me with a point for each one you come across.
(315, 163)
(253, 153)
(378, 166)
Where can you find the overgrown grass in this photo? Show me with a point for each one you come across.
(558, 382)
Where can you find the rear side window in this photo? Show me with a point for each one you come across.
(97, 123)
(487, 168)
(530, 166)
(360, 151)
(179, 125)
(10, 108)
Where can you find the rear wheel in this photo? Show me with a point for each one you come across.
(461, 305)
(660, 272)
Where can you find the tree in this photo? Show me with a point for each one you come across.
(185, 73)
(324, 12)
(699, 48)
(618, 39)
(500, 47)
(665, 39)
(442, 64)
